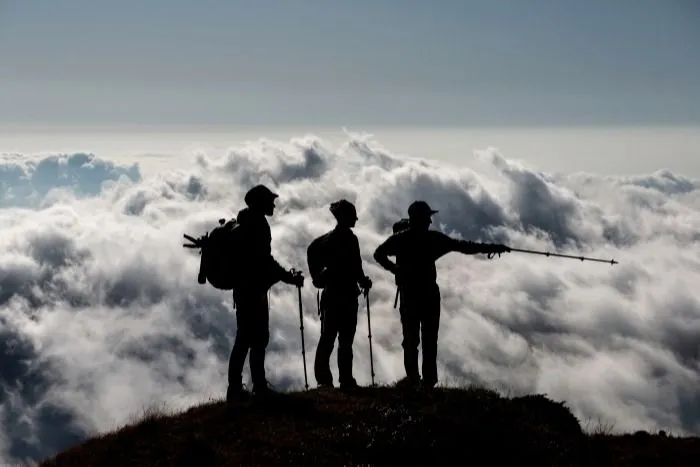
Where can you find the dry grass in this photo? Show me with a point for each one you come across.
(385, 425)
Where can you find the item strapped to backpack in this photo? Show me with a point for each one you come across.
(401, 225)
(218, 251)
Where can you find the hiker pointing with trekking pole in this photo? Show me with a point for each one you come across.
(416, 249)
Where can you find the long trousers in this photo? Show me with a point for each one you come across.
(339, 320)
(420, 322)
(252, 334)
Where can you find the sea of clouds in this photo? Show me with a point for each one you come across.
(102, 316)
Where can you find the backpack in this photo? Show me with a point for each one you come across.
(401, 225)
(315, 257)
(218, 251)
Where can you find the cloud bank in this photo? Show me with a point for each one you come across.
(102, 314)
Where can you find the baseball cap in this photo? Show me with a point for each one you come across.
(420, 209)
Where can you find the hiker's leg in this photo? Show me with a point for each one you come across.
(259, 339)
(430, 324)
(410, 325)
(240, 349)
(346, 337)
(326, 342)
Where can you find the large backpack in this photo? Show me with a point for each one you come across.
(218, 250)
(315, 257)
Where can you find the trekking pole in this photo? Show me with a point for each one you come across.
(301, 322)
(560, 255)
(369, 335)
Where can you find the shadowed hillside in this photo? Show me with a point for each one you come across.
(376, 426)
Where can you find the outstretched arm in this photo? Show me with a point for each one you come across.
(467, 247)
(448, 244)
(472, 248)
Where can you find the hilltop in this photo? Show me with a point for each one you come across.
(384, 425)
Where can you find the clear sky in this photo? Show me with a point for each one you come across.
(446, 62)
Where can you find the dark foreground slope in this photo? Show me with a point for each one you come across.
(376, 426)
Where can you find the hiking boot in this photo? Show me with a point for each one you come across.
(325, 385)
(264, 390)
(428, 384)
(235, 393)
(350, 384)
(408, 383)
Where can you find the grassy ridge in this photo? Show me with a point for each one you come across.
(385, 425)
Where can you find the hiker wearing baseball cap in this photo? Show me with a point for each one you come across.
(416, 249)
(420, 210)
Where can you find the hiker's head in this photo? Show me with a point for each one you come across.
(420, 214)
(261, 199)
(344, 212)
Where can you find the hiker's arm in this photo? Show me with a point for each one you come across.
(360, 276)
(466, 247)
(441, 244)
(383, 251)
(359, 272)
(281, 273)
(277, 268)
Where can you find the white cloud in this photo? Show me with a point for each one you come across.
(102, 314)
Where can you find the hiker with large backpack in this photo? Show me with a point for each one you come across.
(237, 256)
(259, 271)
(335, 266)
(417, 248)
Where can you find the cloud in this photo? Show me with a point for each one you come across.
(102, 314)
(25, 182)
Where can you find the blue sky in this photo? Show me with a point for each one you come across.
(497, 62)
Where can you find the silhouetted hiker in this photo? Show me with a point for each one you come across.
(416, 249)
(335, 265)
(262, 271)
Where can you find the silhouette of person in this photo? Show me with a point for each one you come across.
(335, 266)
(416, 249)
(262, 271)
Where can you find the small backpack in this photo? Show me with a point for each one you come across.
(401, 225)
(315, 257)
(218, 250)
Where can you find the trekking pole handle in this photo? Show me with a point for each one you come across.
(296, 272)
